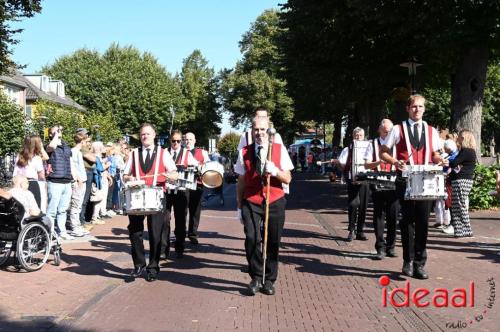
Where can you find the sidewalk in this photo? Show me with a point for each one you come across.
(325, 284)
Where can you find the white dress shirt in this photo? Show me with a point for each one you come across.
(167, 159)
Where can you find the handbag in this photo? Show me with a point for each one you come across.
(96, 194)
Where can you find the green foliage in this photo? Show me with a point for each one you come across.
(484, 182)
(199, 112)
(256, 81)
(228, 144)
(103, 126)
(12, 126)
(50, 114)
(13, 10)
(132, 86)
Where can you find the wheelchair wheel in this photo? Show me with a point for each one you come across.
(33, 246)
(5, 251)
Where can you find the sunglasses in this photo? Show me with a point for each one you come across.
(176, 141)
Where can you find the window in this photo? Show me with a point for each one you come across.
(44, 84)
(28, 112)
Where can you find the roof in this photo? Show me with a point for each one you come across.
(33, 93)
(13, 80)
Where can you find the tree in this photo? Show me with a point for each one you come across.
(13, 10)
(228, 144)
(12, 126)
(199, 112)
(132, 86)
(255, 79)
(341, 52)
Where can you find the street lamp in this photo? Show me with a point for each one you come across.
(97, 135)
(412, 65)
(172, 116)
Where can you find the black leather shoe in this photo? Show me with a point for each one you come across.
(350, 236)
(380, 255)
(163, 256)
(391, 253)
(408, 269)
(137, 271)
(193, 240)
(268, 288)
(419, 273)
(361, 236)
(255, 286)
(152, 276)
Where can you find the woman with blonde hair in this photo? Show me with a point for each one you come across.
(462, 178)
(29, 163)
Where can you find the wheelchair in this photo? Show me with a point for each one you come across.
(30, 238)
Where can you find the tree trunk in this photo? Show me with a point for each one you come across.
(467, 90)
(337, 130)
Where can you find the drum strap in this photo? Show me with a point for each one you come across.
(426, 130)
(135, 152)
(157, 165)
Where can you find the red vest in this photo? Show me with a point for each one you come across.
(198, 155)
(160, 180)
(254, 190)
(383, 167)
(417, 155)
(182, 158)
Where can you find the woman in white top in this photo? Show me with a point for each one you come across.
(29, 163)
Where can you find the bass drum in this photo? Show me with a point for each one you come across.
(212, 174)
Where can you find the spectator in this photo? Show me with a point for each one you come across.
(89, 164)
(78, 187)
(121, 152)
(29, 163)
(21, 193)
(60, 175)
(111, 159)
(442, 207)
(101, 181)
(462, 178)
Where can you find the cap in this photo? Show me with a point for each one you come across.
(82, 131)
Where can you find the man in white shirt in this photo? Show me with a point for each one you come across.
(178, 200)
(141, 165)
(416, 144)
(357, 192)
(253, 168)
(194, 204)
(385, 201)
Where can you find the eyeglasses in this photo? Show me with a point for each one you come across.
(176, 141)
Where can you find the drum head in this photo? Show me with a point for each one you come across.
(212, 179)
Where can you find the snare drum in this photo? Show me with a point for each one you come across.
(424, 182)
(186, 180)
(212, 174)
(381, 180)
(143, 200)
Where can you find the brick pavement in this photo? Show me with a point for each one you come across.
(325, 284)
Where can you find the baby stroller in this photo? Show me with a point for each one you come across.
(32, 239)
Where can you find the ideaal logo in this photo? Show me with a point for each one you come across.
(438, 298)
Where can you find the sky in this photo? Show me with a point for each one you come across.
(169, 29)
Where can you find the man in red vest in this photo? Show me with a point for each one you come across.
(179, 200)
(253, 169)
(142, 162)
(385, 201)
(194, 204)
(416, 144)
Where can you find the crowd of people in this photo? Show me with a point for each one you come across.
(75, 186)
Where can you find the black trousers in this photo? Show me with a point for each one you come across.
(179, 201)
(34, 188)
(194, 211)
(253, 219)
(414, 226)
(357, 204)
(385, 207)
(156, 223)
(87, 209)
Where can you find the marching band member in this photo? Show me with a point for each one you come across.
(143, 161)
(357, 193)
(182, 158)
(252, 169)
(195, 196)
(418, 143)
(385, 202)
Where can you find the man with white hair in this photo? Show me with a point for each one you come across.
(357, 193)
(385, 201)
(194, 200)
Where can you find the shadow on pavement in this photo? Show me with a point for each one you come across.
(35, 323)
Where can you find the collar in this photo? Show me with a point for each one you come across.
(151, 148)
(411, 122)
(174, 150)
